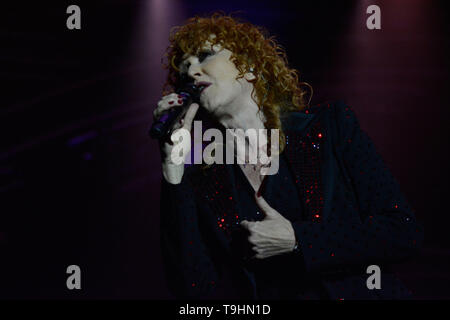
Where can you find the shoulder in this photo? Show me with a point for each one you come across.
(333, 110)
(331, 107)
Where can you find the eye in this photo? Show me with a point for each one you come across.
(204, 54)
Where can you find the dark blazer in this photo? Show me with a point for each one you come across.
(357, 215)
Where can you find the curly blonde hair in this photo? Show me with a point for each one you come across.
(276, 87)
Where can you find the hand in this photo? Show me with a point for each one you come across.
(166, 103)
(272, 236)
(173, 172)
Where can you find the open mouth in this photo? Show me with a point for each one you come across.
(202, 86)
(203, 89)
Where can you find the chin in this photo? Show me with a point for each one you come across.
(209, 105)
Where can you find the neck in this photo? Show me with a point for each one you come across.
(242, 115)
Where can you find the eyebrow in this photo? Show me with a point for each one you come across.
(183, 65)
(186, 55)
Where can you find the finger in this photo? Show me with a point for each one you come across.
(164, 104)
(167, 103)
(163, 109)
(264, 206)
(190, 114)
(246, 224)
(172, 96)
(252, 240)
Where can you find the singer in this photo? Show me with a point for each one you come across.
(311, 230)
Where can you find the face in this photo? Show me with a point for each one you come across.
(213, 66)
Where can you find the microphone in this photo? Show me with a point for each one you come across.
(190, 93)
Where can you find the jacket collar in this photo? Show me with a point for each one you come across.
(217, 178)
(296, 121)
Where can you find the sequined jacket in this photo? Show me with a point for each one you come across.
(357, 215)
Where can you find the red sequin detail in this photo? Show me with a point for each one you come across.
(306, 158)
(207, 187)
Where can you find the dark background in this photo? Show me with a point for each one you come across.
(79, 177)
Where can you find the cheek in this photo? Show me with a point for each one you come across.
(227, 91)
(221, 69)
(226, 87)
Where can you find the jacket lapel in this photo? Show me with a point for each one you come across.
(307, 153)
(214, 184)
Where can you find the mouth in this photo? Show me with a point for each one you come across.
(202, 86)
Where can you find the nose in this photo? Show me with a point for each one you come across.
(194, 70)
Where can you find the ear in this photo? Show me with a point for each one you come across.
(249, 76)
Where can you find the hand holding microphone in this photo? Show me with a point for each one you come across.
(174, 111)
(166, 116)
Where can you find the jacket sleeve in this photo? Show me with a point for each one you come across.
(189, 270)
(384, 230)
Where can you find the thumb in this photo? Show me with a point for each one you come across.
(265, 207)
(189, 117)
